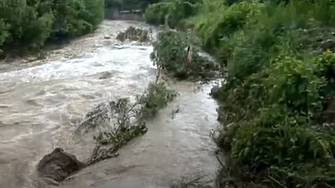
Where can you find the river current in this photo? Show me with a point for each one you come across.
(42, 103)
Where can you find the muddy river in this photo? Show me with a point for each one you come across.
(43, 101)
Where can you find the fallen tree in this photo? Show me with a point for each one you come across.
(115, 124)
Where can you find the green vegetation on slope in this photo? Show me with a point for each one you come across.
(277, 100)
(28, 24)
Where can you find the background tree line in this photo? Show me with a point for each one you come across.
(28, 24)
(130, 4)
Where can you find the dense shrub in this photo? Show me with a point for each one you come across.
(94, 11)
(27, 24)
(171, 12)
(170, 54)
(155, 13)
(223, 21)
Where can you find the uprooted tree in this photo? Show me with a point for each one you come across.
(115, 124)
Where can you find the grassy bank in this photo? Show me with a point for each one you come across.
(277, 100)
(28, 24)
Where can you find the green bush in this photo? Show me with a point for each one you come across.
(28, 24)
(170, 54)
(155, 13)
(156, 97)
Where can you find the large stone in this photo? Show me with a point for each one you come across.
(58, 165)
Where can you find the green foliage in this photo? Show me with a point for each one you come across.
(118, 122)
(94, 11)
(28, 24)
(156, 97)
(279, 62)
(3, 32)
(114, 127)
(171, 54)
(223, 21)
(171, 12)
(300, 154)
(325, 68)
(156, 13)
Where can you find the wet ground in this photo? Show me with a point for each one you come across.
(42, 103)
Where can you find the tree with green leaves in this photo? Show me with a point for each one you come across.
(28, 24)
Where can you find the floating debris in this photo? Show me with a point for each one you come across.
(134, 34)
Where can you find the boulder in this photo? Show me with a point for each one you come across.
(58, 165)
(215, 90)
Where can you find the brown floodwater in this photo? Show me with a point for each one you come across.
(43, 102)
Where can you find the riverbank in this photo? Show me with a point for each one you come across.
(276, 101)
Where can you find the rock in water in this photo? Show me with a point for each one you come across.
(58, 165)
(215, 91)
